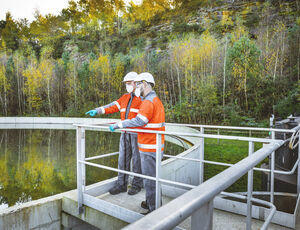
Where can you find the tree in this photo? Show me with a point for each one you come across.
(4, 88)
(46, 70)
(99, 79)
(9, 34)
(243, 66)
(33, 86)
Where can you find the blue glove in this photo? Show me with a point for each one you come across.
(112, 128)
(91, 112)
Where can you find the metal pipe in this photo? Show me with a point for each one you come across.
(137, 174)
(262, 140)
(101, 156)
(258, 193)
(185, 205)
(232, 127)
(80, 143)
(298, 164)
(228, 164)
(263, 202)
(201, 157)
(158, 172)
(249, 190)
(272, 171)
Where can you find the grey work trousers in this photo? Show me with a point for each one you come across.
(149, 169)
(128, 149)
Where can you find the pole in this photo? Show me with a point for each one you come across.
(249, 190)
(158, 171)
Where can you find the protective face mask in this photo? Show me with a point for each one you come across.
(137, 91)
(129, 88)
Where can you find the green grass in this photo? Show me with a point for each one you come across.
(229, 151)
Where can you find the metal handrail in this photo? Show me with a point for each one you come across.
(188, 203)
(247, 165)
(233, 127)
(263, 202)
(238, 138)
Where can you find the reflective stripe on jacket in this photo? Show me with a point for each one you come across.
(152, 112)
(121, 105)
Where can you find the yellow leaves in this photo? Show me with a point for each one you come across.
(118, 75)
(100, 75)
(32, 87)
(298, 21)
(226, 19)
(147, 9)
(37, 78)
(4, 173)
(239, 31)
(194, 54)
(138, 62)
(4, 84)
(36, 173)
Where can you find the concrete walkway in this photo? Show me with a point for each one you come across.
(221, 220)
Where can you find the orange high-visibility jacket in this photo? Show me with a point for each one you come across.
(152, 116)
(121, 105)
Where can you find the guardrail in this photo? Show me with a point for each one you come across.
(197, 202)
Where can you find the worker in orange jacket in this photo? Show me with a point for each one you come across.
(128, 105)
(151, 116)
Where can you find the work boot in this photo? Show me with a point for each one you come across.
(144, 205)
(146, 213)
(134, 190)
(117, 189)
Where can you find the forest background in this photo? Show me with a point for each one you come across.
(214, 62)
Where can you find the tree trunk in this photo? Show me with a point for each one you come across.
(18, 85)
(74, 85)
(48, 92)
(224, 78)
(179, 85)
(245, 89)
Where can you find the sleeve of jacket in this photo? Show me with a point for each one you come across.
(111, 107)
(143, 117)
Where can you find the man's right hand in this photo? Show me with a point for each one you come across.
(92, 112)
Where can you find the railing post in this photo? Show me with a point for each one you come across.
(80, 144)
(218, 138)
(201, 157)
(202, 219)
(272, 172)
(249, 190)
(298, 175)
(158, 171)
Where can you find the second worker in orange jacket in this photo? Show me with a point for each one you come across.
(151, 116)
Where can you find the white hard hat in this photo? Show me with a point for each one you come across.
(145, 77)
(130, 76)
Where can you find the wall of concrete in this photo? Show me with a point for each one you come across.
(182, 170)
(39, 214)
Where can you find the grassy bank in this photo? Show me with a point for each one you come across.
(229, 151)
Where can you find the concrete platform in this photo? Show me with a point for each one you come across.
(221, 220)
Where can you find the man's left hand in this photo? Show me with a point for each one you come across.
(112, 128)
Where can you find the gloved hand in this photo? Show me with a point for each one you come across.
(112, 128)
(92, 112)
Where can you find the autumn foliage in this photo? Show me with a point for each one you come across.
(213, 61)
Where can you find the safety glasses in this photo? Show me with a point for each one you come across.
(137, 83)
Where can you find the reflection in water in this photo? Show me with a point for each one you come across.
(39, 163)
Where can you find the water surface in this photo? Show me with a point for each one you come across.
(36, 163)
